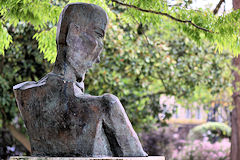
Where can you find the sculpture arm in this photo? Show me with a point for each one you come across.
(119, 131)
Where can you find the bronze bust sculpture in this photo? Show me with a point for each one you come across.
(63, 121)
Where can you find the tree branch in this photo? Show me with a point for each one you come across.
(19, 136)
(215, 11)
(14, 132)
(163, 14)
(164, 85)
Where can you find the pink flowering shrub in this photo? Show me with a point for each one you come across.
(204, 150)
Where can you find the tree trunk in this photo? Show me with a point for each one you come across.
(236, 4)
(235, 119)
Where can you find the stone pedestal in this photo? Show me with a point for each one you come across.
(88, 158)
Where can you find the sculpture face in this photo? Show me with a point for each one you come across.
(84, 45)
(80, 31)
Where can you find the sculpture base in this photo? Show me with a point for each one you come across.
(87, 158)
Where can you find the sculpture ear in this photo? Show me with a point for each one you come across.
(73, 32)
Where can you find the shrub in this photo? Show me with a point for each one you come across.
(204, 150)
(159, 142)
(214, 131)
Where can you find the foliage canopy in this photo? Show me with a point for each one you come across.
(198, 25)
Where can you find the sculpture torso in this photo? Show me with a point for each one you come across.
(64, 121)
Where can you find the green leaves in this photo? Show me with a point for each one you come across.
(47, 44)
(41, 14)
(38, 13)
(44, 15)
(5, 38)
(198, 25)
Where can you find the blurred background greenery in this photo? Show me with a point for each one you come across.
(142, 61)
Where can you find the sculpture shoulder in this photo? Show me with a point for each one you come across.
(110, 98)
(112, 102)
(30, 84)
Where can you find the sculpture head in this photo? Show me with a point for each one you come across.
(80, 32)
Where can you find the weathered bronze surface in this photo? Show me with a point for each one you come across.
(63, 121)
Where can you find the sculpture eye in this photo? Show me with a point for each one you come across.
(99, 35)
